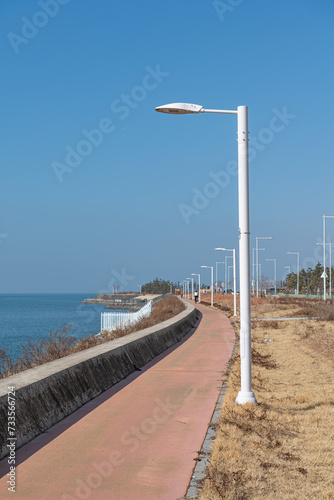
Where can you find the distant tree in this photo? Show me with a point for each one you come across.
(159, 286)
(315, 279)
(310, 278)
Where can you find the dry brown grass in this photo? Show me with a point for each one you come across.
(288, 307)
(283, 448)
(60, 343)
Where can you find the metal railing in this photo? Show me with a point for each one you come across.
(112, 320)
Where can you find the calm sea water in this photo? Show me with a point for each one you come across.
(27, 315)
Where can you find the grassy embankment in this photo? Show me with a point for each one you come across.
(283, 448)
(60, 343)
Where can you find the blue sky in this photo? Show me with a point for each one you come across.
(98, 189)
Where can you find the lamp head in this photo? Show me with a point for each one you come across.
(180, 108)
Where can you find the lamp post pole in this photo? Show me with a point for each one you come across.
(330, 270)
(217, 270)
(187, 286)
(257, 238)
(274, 260)
(324, 217)
(297, 253)
(330, 267)
(235, 283)
(286, 267)
(199, 286)
(228, 274)
(253, 280)
(255, 265)
(245, 395)
(209, 267)
(192, 287)
(234, 275)
(226, 266)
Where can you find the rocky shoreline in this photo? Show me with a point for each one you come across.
(127, 301)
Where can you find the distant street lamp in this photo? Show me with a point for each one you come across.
(186, 288)
(209, 267)
(274, 260)
(324, 217)
(187, 282)
(192, 287)
(257, 259)
(297, 253)
(245, 395)
(253, 272)
(217, 271)
(199, 286)
(330, 267)
(234, 276)
(226, 266)
(228, 275)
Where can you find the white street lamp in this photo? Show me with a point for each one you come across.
(185, 284)
(226, 265)
(324, 217)
(234, 276)
(255, 265)
(228, 274)
(209, 267)
(246, 395)
(297, 253)
(217, 271)
(253, 281)
(330, 270)
(274, 260)
(199, 286)
(257, 259)
(330, 267)
(192, 287)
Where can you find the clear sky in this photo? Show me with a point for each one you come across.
(99, 189)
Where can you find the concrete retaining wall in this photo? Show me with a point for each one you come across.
(46, 394)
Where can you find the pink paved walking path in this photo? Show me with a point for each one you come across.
(138, 440)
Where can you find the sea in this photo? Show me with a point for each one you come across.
(29, 315)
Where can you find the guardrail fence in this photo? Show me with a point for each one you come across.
(112, 320)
